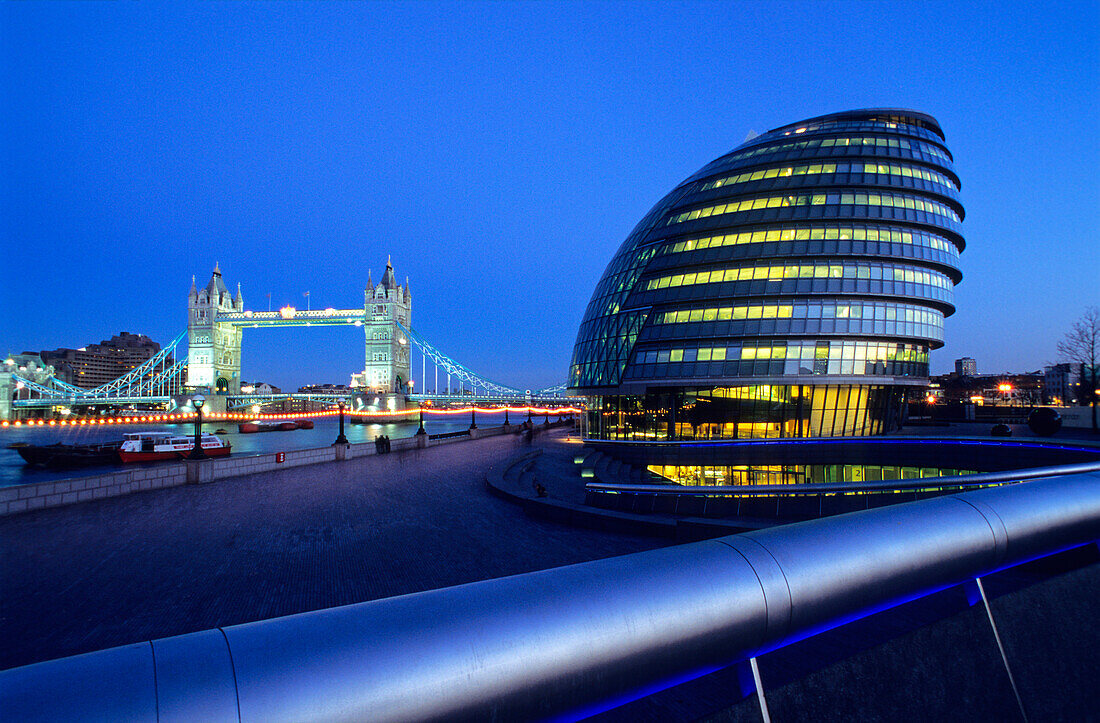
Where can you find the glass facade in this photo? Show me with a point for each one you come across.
(776, 411)
(704, 475)
(790, 288)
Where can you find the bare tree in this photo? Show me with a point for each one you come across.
(1082, 347)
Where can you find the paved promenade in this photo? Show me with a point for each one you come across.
(149, 565)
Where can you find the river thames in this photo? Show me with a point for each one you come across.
(14, 472)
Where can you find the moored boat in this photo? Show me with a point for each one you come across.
(156, 446)
(283, 426)
(68, 455)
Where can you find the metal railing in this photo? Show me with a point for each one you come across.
(798, 500)
(450, 435)
(558, 642)
(806, 489)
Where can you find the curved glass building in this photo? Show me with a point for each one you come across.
(791, 288)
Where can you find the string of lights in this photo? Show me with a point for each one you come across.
(243, 417)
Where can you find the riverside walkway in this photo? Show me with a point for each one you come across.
(164, 562)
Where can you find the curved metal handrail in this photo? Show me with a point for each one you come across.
(568, 640)
(982, 479)
(1070, 444)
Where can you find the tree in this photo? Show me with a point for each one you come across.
(1082, 346)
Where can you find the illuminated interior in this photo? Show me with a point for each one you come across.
(694, 475)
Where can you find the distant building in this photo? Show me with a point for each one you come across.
(1024, 389)
(1060, 383)
(98, 364)
(325, 389)
(294, 404)
(259, 388)
(966, 367)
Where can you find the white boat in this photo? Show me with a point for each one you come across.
(153, 446)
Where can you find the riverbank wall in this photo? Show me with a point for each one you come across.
(57, 493)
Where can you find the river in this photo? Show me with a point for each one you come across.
(14, 472)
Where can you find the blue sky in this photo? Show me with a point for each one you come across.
(500, 152)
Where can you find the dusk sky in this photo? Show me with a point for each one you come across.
(500, 152)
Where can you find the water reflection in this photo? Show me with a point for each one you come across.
(14, 472)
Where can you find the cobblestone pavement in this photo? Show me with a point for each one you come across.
(172, 561)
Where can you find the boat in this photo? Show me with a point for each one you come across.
(68, 455)
(156, 446)
(283, 426)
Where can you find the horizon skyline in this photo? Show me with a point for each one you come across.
(948, 366)
(500, 165)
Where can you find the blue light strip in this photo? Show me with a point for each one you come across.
(639, 693)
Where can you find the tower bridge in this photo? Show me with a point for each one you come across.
(216, 322)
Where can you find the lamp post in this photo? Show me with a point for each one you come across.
(421, 430)
(340, 438)
(473, 417)
(196, 451)
(506, 415)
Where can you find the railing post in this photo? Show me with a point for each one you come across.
(341, 439)
(196, 451)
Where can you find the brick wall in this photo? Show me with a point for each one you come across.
(66, 492)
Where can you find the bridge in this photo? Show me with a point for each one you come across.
(216, 323)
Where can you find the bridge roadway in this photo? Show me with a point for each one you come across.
(240, 401)
(177, 560)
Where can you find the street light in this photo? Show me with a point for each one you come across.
(196, 451)
(341, 439)
(1004, 389)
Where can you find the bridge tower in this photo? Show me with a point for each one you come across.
(387, 349)
(214, 349)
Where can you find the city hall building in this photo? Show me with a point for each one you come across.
(791, 288)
